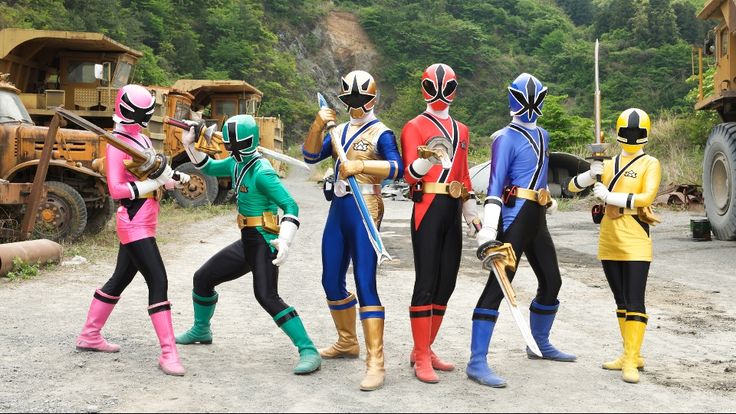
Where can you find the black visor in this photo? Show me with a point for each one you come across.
(632, 135)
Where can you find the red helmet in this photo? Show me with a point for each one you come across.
(439, 85)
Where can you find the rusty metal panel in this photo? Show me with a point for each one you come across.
(17, 193)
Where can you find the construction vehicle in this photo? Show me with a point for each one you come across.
(77, 199)
(214, 101)
(58, 68)
(719, 160)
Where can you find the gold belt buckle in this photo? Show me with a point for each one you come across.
(455, 189)
(543, 197)
(241, 221)
(271, 222)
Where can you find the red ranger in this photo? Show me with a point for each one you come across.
(435, 152)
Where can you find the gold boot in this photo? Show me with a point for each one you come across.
(615, 365)
(373, 331)
(347, 340)
(636, 324)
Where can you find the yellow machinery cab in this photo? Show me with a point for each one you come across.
(53, 68)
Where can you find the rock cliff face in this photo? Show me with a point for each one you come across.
(329, 50)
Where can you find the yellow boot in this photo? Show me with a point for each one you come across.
(615, 365)
(373, 331)
(636, 324)
(343, 314)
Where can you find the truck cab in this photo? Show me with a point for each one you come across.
(55, 68)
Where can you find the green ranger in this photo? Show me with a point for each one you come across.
(264, 242)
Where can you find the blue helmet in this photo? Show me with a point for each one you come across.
(526, 97)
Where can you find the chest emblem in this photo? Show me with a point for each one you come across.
(464, 145)
(630, 174)
(243, 189)
(360, 146)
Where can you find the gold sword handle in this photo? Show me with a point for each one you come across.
(505, 282)
(502, 258)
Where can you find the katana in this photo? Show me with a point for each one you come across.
(598, 149)
(370, 226)
(497, 257)
(209, 140)
(144, 163)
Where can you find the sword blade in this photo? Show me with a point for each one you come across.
(138, 156)
(597, 98)
(510, 297)
(283, 158)
(370, 227)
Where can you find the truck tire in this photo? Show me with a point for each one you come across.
(62, 215)
(97, 218)
(200, 191)
(225, 196)
(719, 187)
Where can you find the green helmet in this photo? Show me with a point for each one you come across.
(240, 136)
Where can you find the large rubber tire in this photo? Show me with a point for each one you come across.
(200, 191)
(62, 215)
(719, 187)
(97, 218)
(225, 196)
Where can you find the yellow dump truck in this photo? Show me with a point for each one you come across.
(215, 100)
(719, 161)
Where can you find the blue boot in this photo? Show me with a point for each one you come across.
(484, 320)
(541, 318)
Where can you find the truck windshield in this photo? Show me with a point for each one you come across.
(12, 109)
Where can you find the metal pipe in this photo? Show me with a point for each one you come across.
(30, 251)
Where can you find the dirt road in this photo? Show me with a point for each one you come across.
(691, 358)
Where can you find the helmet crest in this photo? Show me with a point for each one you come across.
(358, 93)
(439, 85)
(240, 136)
(134, 105)
(526, 97)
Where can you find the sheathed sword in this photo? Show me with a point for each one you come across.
(144, 163)
(497, 257)
(370, 226)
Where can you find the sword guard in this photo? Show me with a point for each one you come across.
(496, 252)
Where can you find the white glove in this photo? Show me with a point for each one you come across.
(421, 166)
(596, 169)
(552, 209)
(282, 248)
(188, 137)
(183, 179)
(470, 213)
(165, 176)
(601, 191)
(172, 183)
(286, 236)
(491, 213)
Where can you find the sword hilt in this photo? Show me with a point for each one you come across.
(482, 251)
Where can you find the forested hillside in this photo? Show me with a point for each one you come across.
(645, 51)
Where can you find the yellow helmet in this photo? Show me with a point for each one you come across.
(633, 126)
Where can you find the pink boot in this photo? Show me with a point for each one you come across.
(99, 310)
(161, 317)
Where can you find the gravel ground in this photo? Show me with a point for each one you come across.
(691, 359)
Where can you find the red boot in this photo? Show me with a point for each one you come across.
(421, 325)
(161, 317)
(99, 310)
(438, 312)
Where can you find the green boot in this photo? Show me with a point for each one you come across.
(290, 322)
(204, 308)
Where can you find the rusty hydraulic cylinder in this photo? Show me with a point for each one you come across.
(30, 251)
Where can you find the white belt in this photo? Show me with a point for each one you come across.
(342, 188)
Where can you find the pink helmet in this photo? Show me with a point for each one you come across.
(134, 105)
